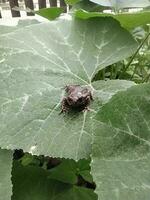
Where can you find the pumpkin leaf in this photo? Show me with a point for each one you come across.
(36, 63)
(121, 146)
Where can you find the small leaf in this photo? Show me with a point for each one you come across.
(84, 170)
(83, 164)
(50, 13)
(127, 20)
(65, 172)
(86, 176)
(27, 159)
(5, 174)
(121, 147)
(69, 170)
(33, 183)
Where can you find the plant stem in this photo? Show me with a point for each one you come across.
(134, 71)
(146, 78)
(132, 58)
(103, 74)
(111, 73)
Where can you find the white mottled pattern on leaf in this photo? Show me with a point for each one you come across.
(121, 147)
(36, 63)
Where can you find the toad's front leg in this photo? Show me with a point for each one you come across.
(88, 100)
(64, 106)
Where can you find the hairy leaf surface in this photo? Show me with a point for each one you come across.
(36, 63)
(121, 147)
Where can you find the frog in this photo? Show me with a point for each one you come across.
(78, 98)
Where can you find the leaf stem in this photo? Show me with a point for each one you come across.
(146, 78)
(134, 55)
(111, 72)
(103, 74)
(134, 71)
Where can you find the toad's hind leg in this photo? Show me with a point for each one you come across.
(64, 106)
(86, 108)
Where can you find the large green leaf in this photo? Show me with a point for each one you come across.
(121, 147)
(5, 174)
(123, 3)
(36, 63)
(127, 20)
(32, 183)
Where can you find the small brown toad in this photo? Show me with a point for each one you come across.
(77, 99)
